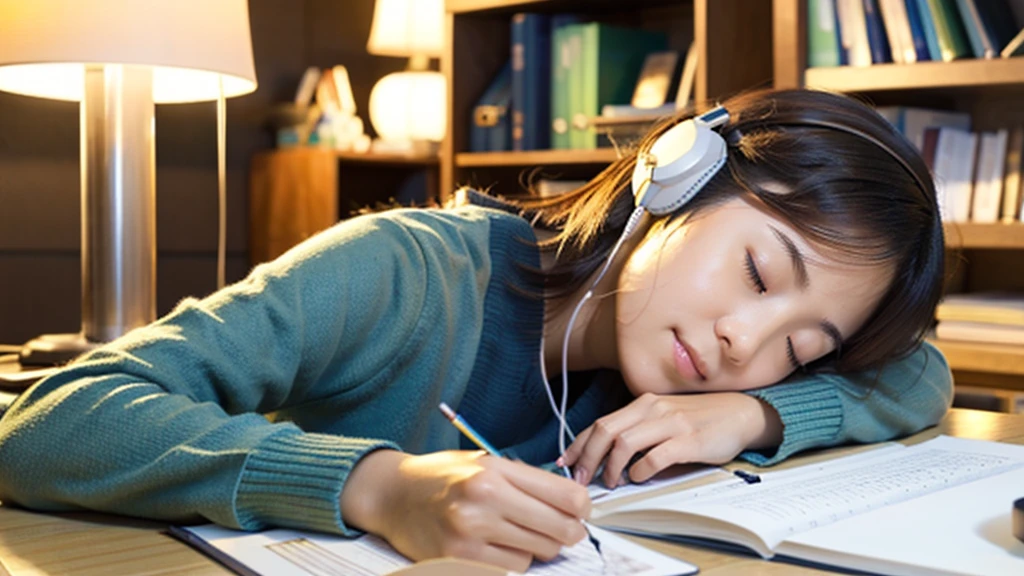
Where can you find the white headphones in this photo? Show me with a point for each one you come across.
(679, 163)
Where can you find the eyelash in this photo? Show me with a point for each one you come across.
(792, 355)
(755, 277)
(758, 282)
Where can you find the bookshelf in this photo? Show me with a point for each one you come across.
(981, 256)
(733, 40)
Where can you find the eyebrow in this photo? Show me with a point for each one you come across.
(804, 281)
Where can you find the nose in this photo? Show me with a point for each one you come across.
(741, 337)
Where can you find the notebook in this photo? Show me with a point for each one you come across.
(289, 552)
(939, 507)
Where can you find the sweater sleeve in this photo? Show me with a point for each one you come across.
(168, 421)
(822, 410)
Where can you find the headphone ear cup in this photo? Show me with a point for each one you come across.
(678, 164)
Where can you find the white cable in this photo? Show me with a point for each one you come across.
(222, 195)
(560, 413)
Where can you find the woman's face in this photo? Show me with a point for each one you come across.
(733, 300)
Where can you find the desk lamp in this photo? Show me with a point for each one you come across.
(118, 58)
(407, 108)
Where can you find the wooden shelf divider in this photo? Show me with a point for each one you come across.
(535, 158)
(973, 235)
(980, 357)
(972, 74)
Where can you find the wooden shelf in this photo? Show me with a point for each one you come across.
(467, 6)
(971, 235)
(978, 357)
(969, 75)
(535, 158)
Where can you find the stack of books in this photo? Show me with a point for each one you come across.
(865, 32)
(984, 317)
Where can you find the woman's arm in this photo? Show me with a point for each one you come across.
(168, 422)
(830, 409)
(768, 425)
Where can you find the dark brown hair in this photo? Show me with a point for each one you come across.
(844, 192)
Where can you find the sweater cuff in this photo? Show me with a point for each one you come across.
(295, 481)
(811, 415)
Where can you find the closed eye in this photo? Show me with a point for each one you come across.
(754, 275)
(791, 354)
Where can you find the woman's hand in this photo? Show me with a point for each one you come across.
(711, 428)
(465, 504)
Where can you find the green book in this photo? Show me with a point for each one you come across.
(606, 73)
(949, 30)
(561, 60)
(822, 38)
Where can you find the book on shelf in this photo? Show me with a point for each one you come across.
(1012, 176)
(988, 178)
(853, 32)
(878, 42)
(939, 507)
(1015, 47)
(923, 10)
(897, 28)
(490, 127)
(993, 307)
(823, 45)
(982, 332)
(949, 30)
(980, 38)
(950, 153)
(531, 81)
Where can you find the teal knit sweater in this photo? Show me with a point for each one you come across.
(351, 340)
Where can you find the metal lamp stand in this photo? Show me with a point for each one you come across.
(118, 163)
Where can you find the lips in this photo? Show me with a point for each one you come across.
(687, 362)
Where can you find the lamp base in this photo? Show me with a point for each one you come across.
(54, 349)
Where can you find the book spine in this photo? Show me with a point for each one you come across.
(518, 51)
(949, 30)
(917, 34)
(531, 78)
(853, 31)
(988, 181)
(980, 43)
(561, 60)
(822, 37)
(877, 40)
(1012, 176)
(897, 28)
(931, 37)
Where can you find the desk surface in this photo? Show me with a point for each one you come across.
(87, 544)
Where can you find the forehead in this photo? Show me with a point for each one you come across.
(831, 271)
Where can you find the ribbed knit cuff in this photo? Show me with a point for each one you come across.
(811, 415)
(295, 481)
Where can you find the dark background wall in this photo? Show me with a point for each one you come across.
(40, 284)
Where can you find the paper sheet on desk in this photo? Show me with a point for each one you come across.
(288, 553)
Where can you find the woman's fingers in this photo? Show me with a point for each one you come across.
(630, 447)
(593, 445)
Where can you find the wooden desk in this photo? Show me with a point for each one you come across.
(87, 544)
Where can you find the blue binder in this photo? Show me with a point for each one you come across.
(531, 81)
(490, 128)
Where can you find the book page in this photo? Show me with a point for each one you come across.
(292, 553)
(963, 530)
(808, 497)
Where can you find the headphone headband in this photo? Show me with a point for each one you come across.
(683, 159)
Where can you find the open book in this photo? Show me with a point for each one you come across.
(939, 507)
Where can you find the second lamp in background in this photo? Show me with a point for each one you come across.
(408, 108)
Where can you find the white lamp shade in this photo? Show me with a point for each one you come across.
(191, 45)
(407, 28)
(409, 106)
